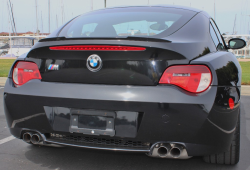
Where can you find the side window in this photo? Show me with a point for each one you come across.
(221, 44)
(214, 36)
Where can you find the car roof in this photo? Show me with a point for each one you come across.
(160, 5)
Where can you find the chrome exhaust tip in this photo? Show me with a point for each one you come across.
(35, 139)
(176, 151)
(27, 137)
(168, 150)
(163, 151)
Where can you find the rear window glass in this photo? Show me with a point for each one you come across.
(155, 22)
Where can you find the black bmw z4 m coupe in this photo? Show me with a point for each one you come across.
(152, 79)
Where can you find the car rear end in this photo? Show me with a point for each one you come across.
(150, 94)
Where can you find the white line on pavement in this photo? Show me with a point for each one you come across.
(1, 87)
(245, 86)
(7, 139)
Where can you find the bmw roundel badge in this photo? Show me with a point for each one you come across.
(94, 63)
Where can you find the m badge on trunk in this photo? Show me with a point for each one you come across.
(53, 67)
(94, 63)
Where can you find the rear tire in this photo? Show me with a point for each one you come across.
(230, 157)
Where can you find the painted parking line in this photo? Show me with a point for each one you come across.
(7, 139)
(1, 87)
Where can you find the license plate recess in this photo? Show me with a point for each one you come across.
(92, 122)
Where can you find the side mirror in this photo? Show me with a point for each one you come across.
(236, 43)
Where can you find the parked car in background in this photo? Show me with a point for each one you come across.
(4, 48)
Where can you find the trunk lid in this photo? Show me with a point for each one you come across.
(118, 67)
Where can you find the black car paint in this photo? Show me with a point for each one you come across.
(203, 122)
(131, 67)
(136, 68)
(188, 123)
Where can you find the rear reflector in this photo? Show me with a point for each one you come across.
(24, 72)
(97, 48)
(231, 103)
(193, 78)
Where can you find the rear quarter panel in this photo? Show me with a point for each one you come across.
(225, 68)
(227, 73)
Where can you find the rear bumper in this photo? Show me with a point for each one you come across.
(202, 122)
(46, 140)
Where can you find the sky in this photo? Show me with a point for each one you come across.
(62, 11)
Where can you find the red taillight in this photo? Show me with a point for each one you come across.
(193, 78)
(24, 72)
(231, 103)
(97, 48)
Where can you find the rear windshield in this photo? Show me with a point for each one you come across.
(155, 22)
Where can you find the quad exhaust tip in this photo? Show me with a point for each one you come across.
(166, 149)
(27, 137)
(35, 139)
(175, 152)
(169, 150)
(163, 150)
(31, 138)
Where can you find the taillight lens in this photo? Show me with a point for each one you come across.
(24, 72)
(231, 103)
(97, 48)
(193, 78)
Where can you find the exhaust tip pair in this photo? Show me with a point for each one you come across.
(31, 138)
(174, 152)
(168, 150)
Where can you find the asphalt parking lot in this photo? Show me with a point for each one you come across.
(15, 154)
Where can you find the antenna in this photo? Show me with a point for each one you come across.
(49, 13)
(9, 30)
(42, 21)
(2, 18)
(13, 17)
(63, 13)
(248, 31)
(234, 24)
(56, 21)
(248, 28)
(10, 18)
(214, 10)
(62, 10)
(36, 19)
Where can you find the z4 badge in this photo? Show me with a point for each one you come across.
(53, 67)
